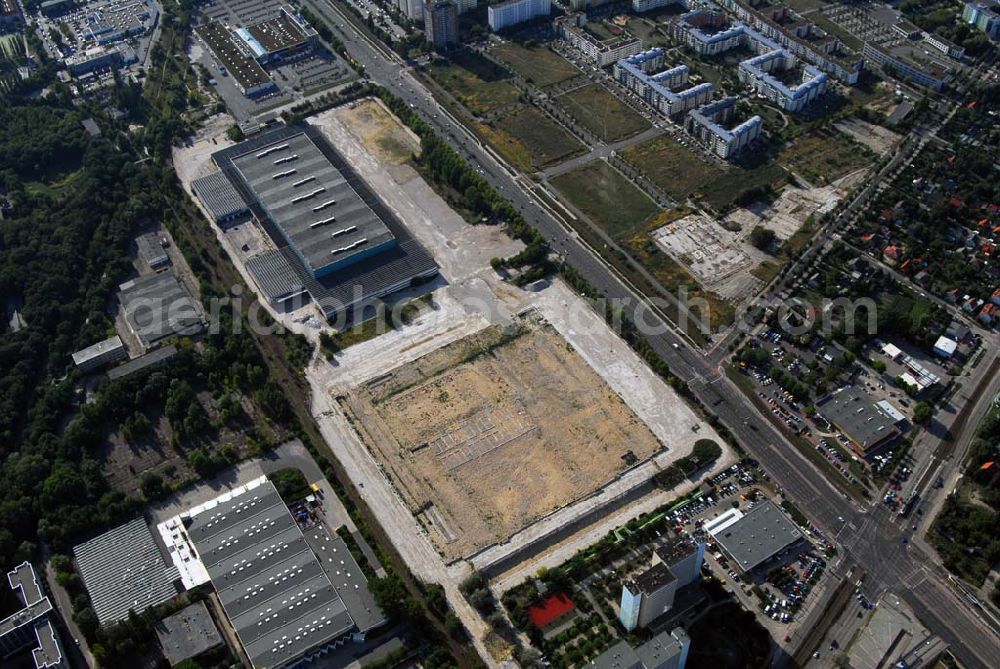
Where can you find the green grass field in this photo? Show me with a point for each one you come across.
(671, 166)
(608, 198)
(823, 156)
(479, 84)
(601, 113)
(536, 64)
(683, 174)
(530, 140)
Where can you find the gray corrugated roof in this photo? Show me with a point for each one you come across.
(123, 569)
(759, 535)
(274, 274)
(156, 357)
(313, 205)
(372, 277)
(219, 196)
(347, 578)
(158, 306)
(271, 585)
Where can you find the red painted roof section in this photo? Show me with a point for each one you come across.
(552, 608)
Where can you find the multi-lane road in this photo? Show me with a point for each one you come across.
(870, 537)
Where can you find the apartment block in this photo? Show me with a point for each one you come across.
(572, 29)
(651, 594)
(763, 74)
(512, 12)
(708, 125)
(664, 91)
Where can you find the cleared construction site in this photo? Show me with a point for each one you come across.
(492, 432)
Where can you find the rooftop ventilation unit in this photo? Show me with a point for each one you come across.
(267, 152)
(287, 159)
(303, 182)
(328, 203)
(282, 175)
(325, 221)
(354, 245)
(344, 231)
(300, 198)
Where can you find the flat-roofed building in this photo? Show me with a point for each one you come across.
(123, 570)
(159, 307)
(800, 36)
(412, 9)
(512, 12)
(762, 74)
(187, 634)
(666, 650)
(602, 52)
(441, 23)
(333, 237)
(640, 6)
(217, 194)
(287, 595)
(668, 91)
(708, 124)
(160, 356)
(984, 15)
(101, 354)
(55, 7)
(753, 538)
(30, 628)
(907, 61)
(315, 209)
(152, 251)
(651, 594)
(852, 411)
(279, 37)
(236, 59)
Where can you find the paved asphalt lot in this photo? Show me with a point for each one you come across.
(869, 537)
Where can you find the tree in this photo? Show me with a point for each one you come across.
(763, 238)
(152, 485)
(922, 413)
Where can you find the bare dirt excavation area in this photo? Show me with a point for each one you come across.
(494, 431)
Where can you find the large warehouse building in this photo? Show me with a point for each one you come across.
(123, 570)
(288, 594)
(335, 239)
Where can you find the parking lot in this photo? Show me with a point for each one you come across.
(782, 592)
(296, 77)
(73, 32)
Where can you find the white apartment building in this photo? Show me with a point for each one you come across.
(512, 12)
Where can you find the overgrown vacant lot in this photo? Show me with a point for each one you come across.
(537, 64)
(380, 131)
(530, 140)
(479, 84)
(608, 198)
(823, 156)
(683, 174)
(601, 113)
(492, 432)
